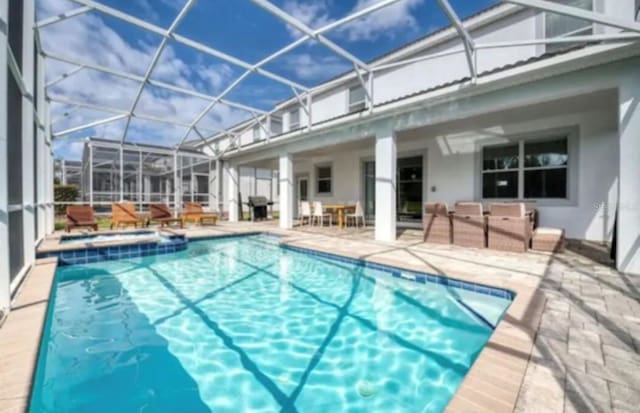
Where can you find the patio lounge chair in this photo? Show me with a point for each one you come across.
(436, 223)
(161, 214)
(124, 214)
(80, 216)
(509, 227)
(195, 213)
(469, 225)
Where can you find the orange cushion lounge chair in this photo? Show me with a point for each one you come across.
(161, 214)
(80, 216)
(194, 212)
(125, 214)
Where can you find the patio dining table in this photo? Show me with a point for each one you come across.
(340, 210)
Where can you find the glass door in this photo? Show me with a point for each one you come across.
(409, 193)
(409, 189)
(303, 189)
(302, 193)
(369, 190)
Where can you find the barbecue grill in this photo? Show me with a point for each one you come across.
(258, 207)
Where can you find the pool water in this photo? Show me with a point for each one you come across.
(244, 325)
(125, 236)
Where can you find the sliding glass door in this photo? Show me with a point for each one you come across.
(369, 190)
(409, 189)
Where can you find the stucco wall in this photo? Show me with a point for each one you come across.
(452, 169)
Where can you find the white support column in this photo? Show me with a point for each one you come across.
(140, 200)
(285, 176)
(5, 295)
(309, 111)
(233, 187)
(192, 184)
(91, 174)
(121, 174)
(218, 187)
(628, 248)
(370, 88)
(28, 166)
(386, 162)
(50, 197)
(211, 187)
(177, 193)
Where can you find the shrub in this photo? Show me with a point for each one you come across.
(64, 193)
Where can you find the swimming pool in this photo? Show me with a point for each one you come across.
(242, 324)
(122, 236)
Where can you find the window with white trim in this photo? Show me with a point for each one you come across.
(323, 180)
(357, 99)
(256, 133)
(528, 169)
(294, 119)
(557, 25)
(276, 125)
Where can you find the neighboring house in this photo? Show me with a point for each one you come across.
(557, 123)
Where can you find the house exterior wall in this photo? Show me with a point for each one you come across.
(451, 166)
(513, 24)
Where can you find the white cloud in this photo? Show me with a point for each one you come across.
(68, 149)
(314, 14)
(88, 38)
(313, 68)
(146, 6)
(386, 22)
(217, 76)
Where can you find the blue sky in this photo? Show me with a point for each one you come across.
(238, 28)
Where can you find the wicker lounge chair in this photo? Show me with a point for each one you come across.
(161, 214)
(195, 213)
(436, 223)
(509, 227)
(469, 225)
(80, 216)
(124, 214)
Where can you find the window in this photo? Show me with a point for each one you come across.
(323, 177)
(545, 169)
(256, 133)
(276, 125)
(557, 25)
(526, 169)
(500, 171)
(357, 100)
(294, 119)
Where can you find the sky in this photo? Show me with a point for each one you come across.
(238, 28)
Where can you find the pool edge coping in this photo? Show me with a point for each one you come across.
(21, 359)
(492, 384)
